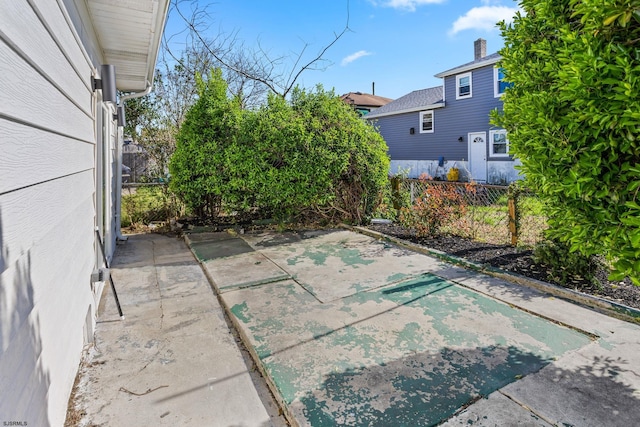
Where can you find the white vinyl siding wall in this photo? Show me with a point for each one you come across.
(47, 209)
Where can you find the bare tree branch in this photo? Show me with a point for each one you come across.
(259, 67)
(321, 54)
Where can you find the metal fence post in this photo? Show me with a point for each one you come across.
(413, 197)
(395, 192)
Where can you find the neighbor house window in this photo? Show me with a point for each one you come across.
(463, 86)
(499, 144)
(426, 122)
(500, 85)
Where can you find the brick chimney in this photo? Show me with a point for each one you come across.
(479, 49)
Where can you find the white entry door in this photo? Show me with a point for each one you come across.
(478, 156)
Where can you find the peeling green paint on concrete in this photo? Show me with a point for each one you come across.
(241, 312)
(361, 371)
(285, 378)
(409, 337)
(351, 338)
(361, 298)
(396, 277)
(319, 255)
(358, 287)
(408, 392)
(405, 349)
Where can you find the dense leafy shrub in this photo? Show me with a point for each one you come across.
(562, 265)
(198, 165)
(573, 120)
(311, 155)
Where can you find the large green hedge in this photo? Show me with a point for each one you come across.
(573, 117)
(197, 166)
(310, 155)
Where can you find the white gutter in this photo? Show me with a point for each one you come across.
(374, 116)
(123, 99)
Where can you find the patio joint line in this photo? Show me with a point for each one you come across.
(291, 277)
(157, 281)
(526, 408)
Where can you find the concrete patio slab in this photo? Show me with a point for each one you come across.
(419, 343)
(173, 360)
(241, 271)
(496, 410)
(353, 262)
(592, 386)
(410, 354)
(424, 342)
(222, 248)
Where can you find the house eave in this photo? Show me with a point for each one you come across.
(130, 32)
(376, 115)
(468, 67)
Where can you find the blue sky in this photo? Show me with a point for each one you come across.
(398, 44)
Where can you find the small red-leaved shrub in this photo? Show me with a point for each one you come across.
(439, 205)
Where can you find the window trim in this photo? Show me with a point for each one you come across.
(496, 82)
(491, 142)
(433, 125)
(460, 77)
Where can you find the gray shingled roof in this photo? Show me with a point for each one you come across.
(494, 57)
(411, 102)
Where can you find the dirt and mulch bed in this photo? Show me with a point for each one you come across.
(516, 260)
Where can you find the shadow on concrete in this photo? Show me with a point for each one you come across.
(288, 237)
(25, 382)
(410, 392)
(589, 394)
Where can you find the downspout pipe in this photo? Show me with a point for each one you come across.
(123, 99)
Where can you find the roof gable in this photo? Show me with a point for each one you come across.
(478, 63)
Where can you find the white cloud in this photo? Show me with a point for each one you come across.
(483, 18)
(409, 5)
(359, 54)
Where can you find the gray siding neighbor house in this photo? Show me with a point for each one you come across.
(61, 62)
(431, 130)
